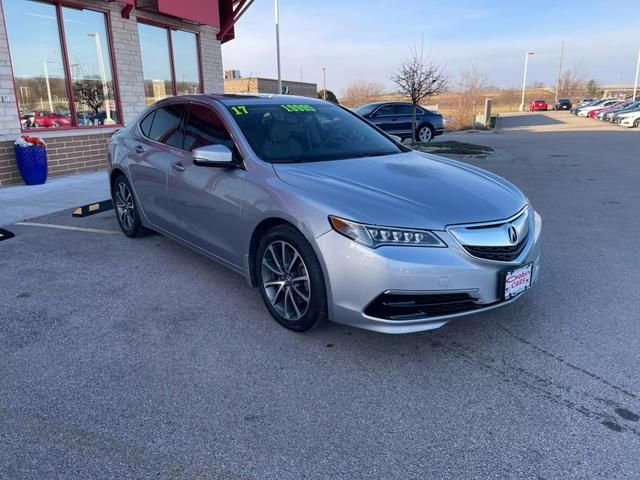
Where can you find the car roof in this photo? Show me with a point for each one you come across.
(240, 99)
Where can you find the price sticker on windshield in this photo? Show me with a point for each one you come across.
(239, 110)
(302, 107)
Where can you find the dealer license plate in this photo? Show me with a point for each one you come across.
(517, 281)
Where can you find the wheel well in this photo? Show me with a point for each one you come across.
(114, 174)
(425, 124)
(258, 232)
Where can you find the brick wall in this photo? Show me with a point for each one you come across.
(126, 49)
(74, 151)
(9, 121)
(211, 55)
(65, 155)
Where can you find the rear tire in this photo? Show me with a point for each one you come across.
(425, 133)
(126, 207)
(290, 279)
(636, 124)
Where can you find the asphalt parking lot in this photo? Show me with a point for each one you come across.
(126, 358)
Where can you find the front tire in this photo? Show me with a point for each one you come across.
(425, 134)
(636, 124)
(126, 208)
(290, 279)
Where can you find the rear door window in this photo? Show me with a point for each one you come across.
(407, 110)
(166, 125)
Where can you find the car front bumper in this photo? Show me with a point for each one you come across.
(357, 275)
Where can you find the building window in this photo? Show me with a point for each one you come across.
(70, 85)
(166, 74)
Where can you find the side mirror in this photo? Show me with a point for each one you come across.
(213, 156)
(396, 138)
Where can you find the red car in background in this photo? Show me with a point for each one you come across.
(538, 105)
(46, 119)
(593, 113)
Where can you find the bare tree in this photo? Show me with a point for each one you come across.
(360, 92)
(419, 78)
(91, 94)
(572, 82)
(472, 87)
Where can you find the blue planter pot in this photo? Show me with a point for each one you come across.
(32, 164)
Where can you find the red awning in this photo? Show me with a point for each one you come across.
(204, 12)
(230, 13)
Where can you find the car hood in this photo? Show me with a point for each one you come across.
(411, 189)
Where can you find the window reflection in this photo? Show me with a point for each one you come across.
(156, 66)
(41, 85)
(90, 67)
(185, 60)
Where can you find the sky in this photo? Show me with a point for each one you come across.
(367, 39)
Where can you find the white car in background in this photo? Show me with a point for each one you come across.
(630, 120)
(584, 111)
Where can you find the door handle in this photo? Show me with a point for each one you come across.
(139, 149)
(178, 166)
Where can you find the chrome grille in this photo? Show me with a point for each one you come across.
(501, 241)
(498, 254)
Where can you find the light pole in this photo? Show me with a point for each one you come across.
(559, 71)
(46, 77)
(324, 83)
(277, 14)
(103, 75)
(524, 81)
(635, 84)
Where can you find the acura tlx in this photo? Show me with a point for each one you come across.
(327, 215)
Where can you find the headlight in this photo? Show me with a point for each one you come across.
(375, 236)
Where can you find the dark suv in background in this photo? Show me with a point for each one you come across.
(563, 104)
(395, 118)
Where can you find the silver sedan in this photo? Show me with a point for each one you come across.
(331, 218)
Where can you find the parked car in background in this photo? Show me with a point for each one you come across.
(613, 115)
(330, 218)
(586, 101)
(539, 104)
(582, 103)
(595, 111)
(630, 119)
(45, 119)
(396, 119)
(600, 114)
(563, 104)
(584, 111)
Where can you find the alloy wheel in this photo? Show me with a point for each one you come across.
(125, 206)
(285, 280)
(424, 135)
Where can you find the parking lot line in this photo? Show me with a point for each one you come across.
(67, 227)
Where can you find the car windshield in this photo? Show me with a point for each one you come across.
(299, 132)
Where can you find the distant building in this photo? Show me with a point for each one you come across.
(231, 74)
(241, 84)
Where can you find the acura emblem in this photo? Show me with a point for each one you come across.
(513, 234)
